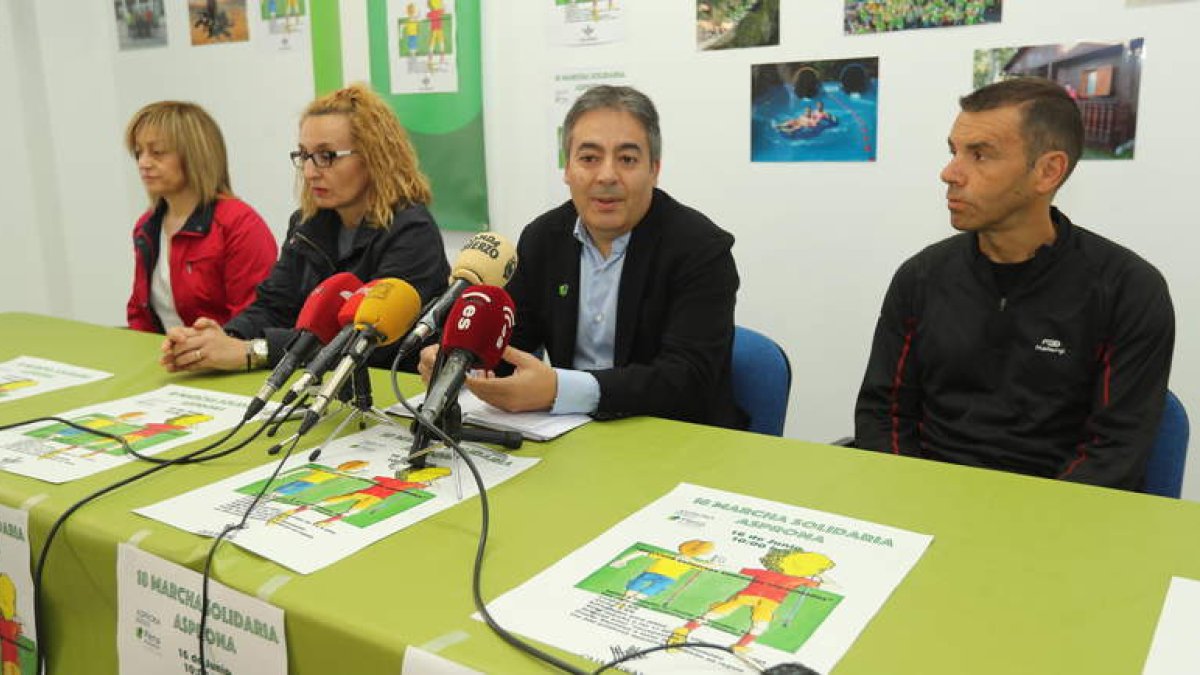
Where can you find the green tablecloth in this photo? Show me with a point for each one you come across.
(1024, 575)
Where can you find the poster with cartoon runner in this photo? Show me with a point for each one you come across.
(281, 25)
(357, 492)
(422, 52)
(587, 22)
(18, 630)
(772, 582)
(27, 376)
(149, 423)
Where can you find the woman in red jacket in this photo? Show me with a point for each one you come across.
(199, 251)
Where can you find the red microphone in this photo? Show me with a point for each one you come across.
(477, 330)
(345, 315)
(328, 356)
(317, 325)
(322, 312)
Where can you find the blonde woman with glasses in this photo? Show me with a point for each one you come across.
(363, 209)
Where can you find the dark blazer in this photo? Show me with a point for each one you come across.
(674, 332)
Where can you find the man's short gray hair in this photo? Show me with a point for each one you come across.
(623, 99)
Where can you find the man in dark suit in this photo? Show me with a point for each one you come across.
(629, 292)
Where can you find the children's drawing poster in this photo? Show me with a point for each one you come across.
(578, 23)
(27, 376)
(18, 627)
(149, 423)
(282, 25)
(316, 512)
(774, 583)
(422, 51)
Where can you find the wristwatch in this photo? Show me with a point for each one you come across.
(256, 354)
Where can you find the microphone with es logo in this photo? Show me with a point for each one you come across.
(317, 325)
(477, 330)
(385, 314)
(486, 259)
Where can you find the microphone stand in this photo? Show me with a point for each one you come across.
(450, 422)
(362, 408)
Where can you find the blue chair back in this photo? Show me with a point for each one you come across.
(1164, 472)
(762, 380)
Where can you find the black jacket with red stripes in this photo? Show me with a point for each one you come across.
(1065, 377)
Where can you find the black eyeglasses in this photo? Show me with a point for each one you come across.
(322, 159)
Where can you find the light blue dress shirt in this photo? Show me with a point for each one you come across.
(596, 329)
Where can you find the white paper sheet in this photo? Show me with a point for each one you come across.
(1175, 650)
(317, 513)
(150, 423)
(783, 583)
(27, 376)
(158, 621)
(533, 426)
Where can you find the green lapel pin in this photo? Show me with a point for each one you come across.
(563, 289)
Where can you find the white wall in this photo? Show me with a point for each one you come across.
(66, 168)
(817, 243)
(31, 228)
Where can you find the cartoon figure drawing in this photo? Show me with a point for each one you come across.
(137, 436)
(437, 33)
(292, 12)
(786, 570)
(381, 488)
(10, 628)
(311, 477)
(13, 385)
(666, 570)
(411, 27)
(596, 9)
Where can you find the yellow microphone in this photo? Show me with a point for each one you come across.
(387, 311)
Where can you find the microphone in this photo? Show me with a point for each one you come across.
(487, 258)
(317, 325)
(324, 360)
(477, 330)
(386, 312)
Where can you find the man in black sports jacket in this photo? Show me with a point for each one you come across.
(1023, 343)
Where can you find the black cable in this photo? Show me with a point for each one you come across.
(477, 570)
(128, 448)
(75, 425)
(192, 457)
(212, 551)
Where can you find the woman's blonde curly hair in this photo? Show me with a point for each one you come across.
(396, 177)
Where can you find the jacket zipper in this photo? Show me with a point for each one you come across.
(1003, 303)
